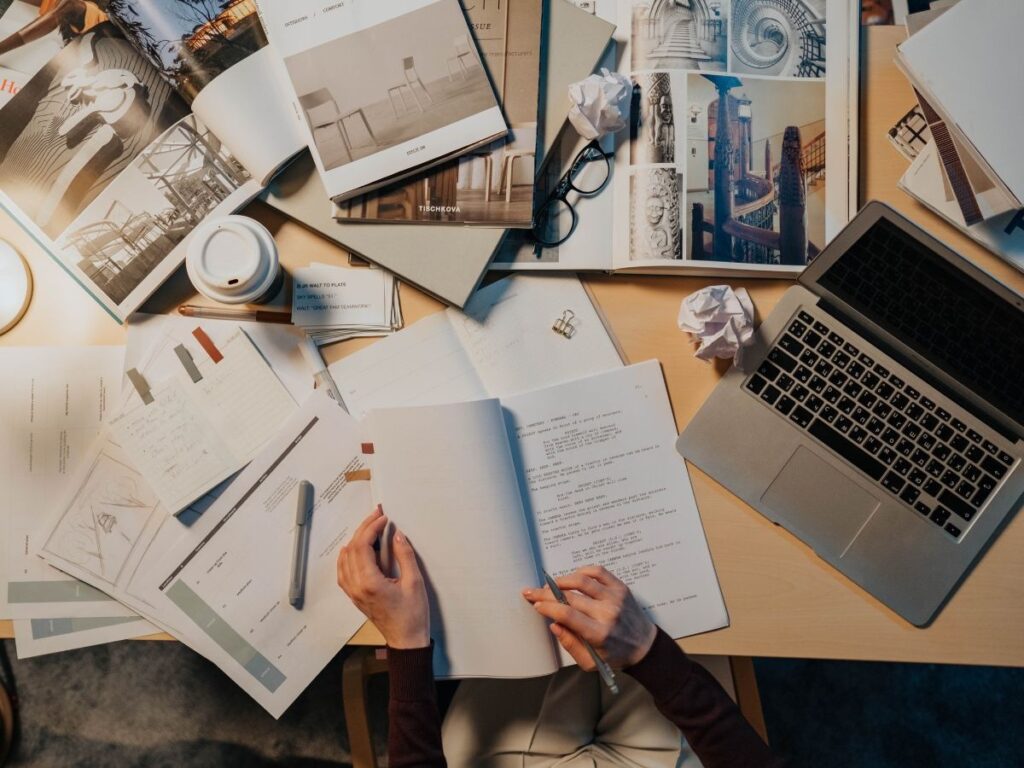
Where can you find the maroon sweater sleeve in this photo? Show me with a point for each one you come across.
(690, 697)
(414, 735)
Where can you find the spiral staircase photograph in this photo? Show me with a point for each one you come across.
(781, 38)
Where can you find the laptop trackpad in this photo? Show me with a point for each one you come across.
(818, 503)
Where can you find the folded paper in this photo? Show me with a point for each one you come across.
(720, 319)
(600, 104)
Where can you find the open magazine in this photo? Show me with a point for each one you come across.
(740, 157)
(134, 124)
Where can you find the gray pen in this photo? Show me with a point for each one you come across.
(300, 555)
(607, 675)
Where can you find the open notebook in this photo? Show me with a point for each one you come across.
(492, 492)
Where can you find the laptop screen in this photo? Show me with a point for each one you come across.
(949, 319)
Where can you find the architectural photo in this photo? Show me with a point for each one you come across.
(172, 186)
(680, 34)
(653, 124)
(756, 160)
(784, 38)
(655, 202)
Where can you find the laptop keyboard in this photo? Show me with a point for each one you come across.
(934, 463)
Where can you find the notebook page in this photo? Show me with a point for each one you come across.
(507, 333)
(421, 365)
(173, 445)
(196, 434)
(605, 486)
(244, 401)
(444, 475)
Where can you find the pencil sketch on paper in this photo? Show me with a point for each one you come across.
(105, 519)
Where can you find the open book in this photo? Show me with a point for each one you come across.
(140, 125)
(741, 154)
(385, 89)
(493, 492)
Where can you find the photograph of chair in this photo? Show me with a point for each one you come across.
(316, 105)
(425, 87)
(457, 64)
(508, 167)
(412, 78)
(178, 181)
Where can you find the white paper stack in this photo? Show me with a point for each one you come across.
(970, 171)
(336, 303)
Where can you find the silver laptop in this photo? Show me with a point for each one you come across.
(879, 415)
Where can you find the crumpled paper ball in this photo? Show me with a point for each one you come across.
(720, 319)
(600, 104)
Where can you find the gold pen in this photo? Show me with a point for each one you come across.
(230, 313)
(607, 675)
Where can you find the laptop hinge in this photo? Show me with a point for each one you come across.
(917, 370)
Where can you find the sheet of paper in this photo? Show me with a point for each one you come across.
(604, 484)
(151, 341)
(340, 297)
(422, 365)
(445, 476)
(228, 579)
(52, 402)
(40, 637)
(504, 343)
(108, 481)
(507, 329)
(110, 531)
(195, 434)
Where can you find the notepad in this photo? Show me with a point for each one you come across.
(187, 433)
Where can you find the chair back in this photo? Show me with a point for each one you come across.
(409, 62)
(461, 44)
(317, 99)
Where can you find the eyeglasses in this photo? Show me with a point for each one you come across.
(588, 175)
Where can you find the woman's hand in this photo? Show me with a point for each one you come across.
(398, 607)
(601, 611)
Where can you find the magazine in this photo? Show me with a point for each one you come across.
(135, 129)
(385, 90)
(492, 186)
(740, 157)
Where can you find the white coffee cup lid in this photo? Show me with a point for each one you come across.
(15, 287)
(232, 259)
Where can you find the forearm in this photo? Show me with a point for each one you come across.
(414, 737)
(690, 697)
(41, 27)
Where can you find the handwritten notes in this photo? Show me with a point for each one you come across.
(196, 434)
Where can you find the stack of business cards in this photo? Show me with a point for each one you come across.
(336, 303)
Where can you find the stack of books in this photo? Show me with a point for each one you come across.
(964, 60)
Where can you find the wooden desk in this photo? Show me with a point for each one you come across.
(782, 600)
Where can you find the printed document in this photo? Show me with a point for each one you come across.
(52, 402)
(576, 474)
(228, 579)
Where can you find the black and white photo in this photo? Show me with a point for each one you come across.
(178, 181)
(780, 38)
(429, 78)
(679, 34)
(78, 124)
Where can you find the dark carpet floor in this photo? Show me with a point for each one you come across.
(158, 704)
